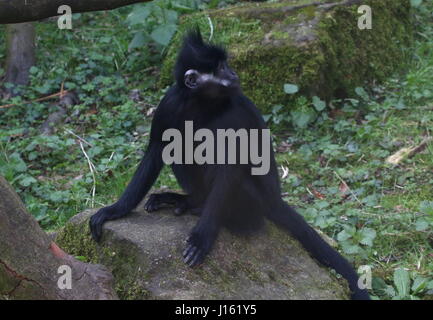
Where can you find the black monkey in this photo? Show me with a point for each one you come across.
(207, 92)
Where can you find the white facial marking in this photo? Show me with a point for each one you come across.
(190, 71)
(208, 77)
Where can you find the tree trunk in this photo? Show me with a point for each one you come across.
(20, 54)
(30, 261)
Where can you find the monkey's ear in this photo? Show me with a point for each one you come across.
(190, 78)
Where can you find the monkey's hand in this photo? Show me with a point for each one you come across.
(96, 222)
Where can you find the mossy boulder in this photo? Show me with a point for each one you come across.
(316, 45)
(143, 251)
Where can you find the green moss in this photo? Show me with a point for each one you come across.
(76, 240)
(355, 57)
(322, 51)
(130, 290)
(409, 200)
(250, 271)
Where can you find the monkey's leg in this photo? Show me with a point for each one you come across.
(157, 201)
(201, 239)
(204, 234)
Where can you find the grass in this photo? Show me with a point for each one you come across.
(380, 214)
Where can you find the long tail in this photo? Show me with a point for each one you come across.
(287, 218)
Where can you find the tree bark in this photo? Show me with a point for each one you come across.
(30, 261)
(20, 54)
(14, 11)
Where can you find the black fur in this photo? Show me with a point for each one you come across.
(223, 195)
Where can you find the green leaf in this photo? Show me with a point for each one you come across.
(368, 236)
(163, 34)
(415, 3)
(27, 181)
(400, 105)
(370, 200)
(17, 163)
(343, 235)
(390, 291)
(138, 41)
(32, 156)
(421, 225)
(320, 222)
(419, 284)
(33, 70)
(378, 284)
(59, 196)
(319, 104)
(290, 88)
(81, 258)
(302, 116)
(181, 8)
(310, 213)
(426, 207)
(350, 248)
(322, 204)
(266, 117)
(138, 15)
(276, 108)
(171, 16)
(402, 282)
(361, 92)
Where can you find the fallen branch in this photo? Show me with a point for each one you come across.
(61, 93)
(81, 139)
(404, 153)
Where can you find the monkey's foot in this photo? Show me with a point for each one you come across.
(198, 246)
(157, 201)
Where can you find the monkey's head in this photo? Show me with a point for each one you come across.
(202, 68)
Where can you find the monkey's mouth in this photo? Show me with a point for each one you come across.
(231, 84)
(228, 83)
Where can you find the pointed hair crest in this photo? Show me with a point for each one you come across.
(198, 55)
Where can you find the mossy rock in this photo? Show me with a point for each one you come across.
(144, 253)
(316, 45)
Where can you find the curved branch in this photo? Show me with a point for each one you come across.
(16, 11)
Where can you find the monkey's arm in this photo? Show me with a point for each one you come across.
(146, 173)
(142, 181)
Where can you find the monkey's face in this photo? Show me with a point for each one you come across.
(222, 82)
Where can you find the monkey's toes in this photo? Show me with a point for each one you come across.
(181, 209)
(153, 203)
(193, 255)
